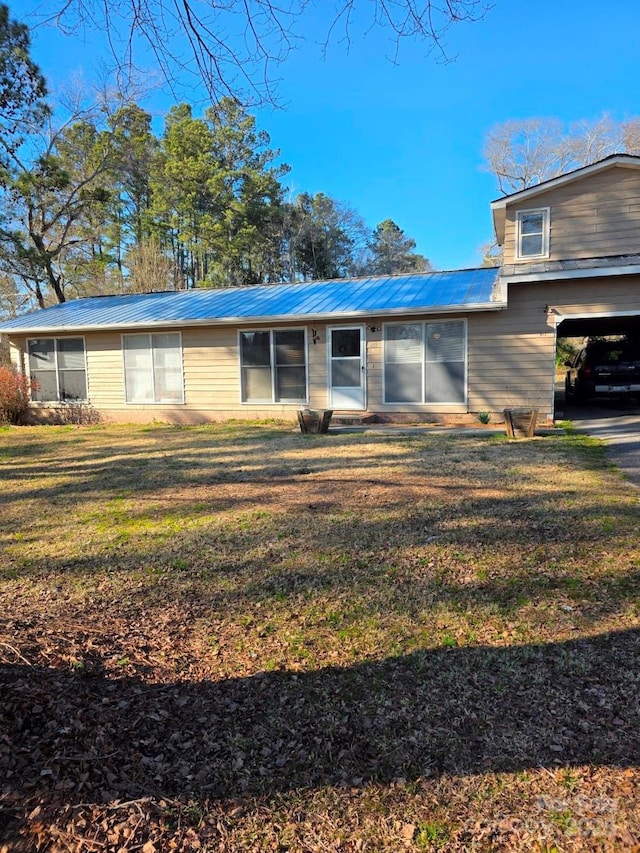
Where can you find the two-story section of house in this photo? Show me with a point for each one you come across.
(571, 265)
(422, 347)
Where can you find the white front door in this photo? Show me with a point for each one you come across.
(347, 380)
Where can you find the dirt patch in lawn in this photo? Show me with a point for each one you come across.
(241, 638)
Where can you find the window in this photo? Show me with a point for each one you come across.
(532, 233)
(153, 368)
(273, 366)
(403, 363)
(425, 362)
(58, 369)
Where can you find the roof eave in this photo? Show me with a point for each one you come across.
(248, 321)
(499, 222)
(629, 161)
(563, 275)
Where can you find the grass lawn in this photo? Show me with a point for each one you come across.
(240, 638)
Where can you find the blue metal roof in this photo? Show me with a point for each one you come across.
(432, 292)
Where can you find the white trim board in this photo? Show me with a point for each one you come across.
(563, 275)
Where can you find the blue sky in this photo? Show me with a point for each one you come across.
(404, 141)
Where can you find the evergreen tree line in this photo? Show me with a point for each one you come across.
(101, 204)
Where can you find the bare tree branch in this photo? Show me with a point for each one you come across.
(234, 46)
(523, 153)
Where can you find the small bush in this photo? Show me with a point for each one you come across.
(484, 417)
(14, 395)
(77, 412)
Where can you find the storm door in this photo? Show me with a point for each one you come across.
(347, 380)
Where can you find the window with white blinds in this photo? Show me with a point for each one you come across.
(425, 362)
(273, 366)
(153, 368)
(403, 369)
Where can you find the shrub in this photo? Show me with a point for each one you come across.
(14, 395)
(77, 412)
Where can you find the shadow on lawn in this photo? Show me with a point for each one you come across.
(87, 465)
(75, 737)
(68, 738)
(441, 490)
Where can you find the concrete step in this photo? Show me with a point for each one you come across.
(353, 418)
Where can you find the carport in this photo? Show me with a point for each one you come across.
(597, 325)
(590, 325)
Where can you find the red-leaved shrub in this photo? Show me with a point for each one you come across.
(14, 395)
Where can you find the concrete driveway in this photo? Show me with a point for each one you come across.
(618, 425)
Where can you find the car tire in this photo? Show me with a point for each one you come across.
(569, 392)
(580, 396)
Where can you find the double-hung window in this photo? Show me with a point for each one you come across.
(273, 366)
(153, 368)
(425, 362)
(58, 369)
(532, 233)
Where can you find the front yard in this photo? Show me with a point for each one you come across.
(241, 638)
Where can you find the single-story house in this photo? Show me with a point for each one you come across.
(424, 346)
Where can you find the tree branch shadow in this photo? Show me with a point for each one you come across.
(70, 738)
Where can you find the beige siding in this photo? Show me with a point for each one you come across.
(596, 216)
(374, 366)
(317, 378)
(620, 294)
(16, 348)
(211, 379)
(212, 374)
(211, 369)
(511, 356)
(105, 377)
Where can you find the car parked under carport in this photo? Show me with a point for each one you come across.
(605, 368)
(599, 345)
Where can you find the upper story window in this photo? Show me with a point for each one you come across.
(532, 233)
(58, 369)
